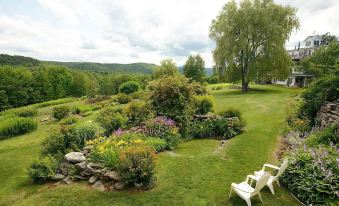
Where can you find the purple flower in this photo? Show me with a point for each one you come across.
(118, 132)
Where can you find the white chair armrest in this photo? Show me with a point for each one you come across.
(270, 166)
(251, 177)
(238, 188)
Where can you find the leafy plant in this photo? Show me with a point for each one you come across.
(324, 137)
(43, 169)
(129, 87)
(138, 111)
(136, 165)
(15, 126)
(112, 119)
(230, 112)
(203, 104)
(60, 112)
(123, 98)
(70, 120)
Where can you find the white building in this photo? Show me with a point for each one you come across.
(304, 49)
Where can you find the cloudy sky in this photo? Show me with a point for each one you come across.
(126, 31)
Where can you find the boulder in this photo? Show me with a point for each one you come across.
(81, 166)
(119, 185)
(93, 179)
(58, 177)
(99, 186)
(65, 167)
(96, 169)
(75, 157)
(113, 175)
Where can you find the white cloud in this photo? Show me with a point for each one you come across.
(131, 30)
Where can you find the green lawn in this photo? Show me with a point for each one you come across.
(199, 172)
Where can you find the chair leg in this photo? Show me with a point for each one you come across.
(248, 201)
(229, 196)
(278, 183)
(271, 188)
(260, 198)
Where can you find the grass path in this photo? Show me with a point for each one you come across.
(199, 172)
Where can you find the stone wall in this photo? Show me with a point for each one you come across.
(329, 114)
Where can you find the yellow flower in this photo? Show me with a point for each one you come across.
(138, 141)
(121, 142)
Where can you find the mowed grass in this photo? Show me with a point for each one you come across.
(199, 172)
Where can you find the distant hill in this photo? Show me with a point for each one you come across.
(102, 67)
(15, 60)
(209, 71)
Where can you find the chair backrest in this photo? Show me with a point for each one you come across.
(262, 181)
(282, 167)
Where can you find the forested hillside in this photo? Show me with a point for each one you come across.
(98, 67)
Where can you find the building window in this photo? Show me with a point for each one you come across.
(308, 43)
(309, 52)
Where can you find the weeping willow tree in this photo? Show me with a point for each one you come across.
(250, 39)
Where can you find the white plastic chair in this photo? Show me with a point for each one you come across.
(272, 179)
(246, 191)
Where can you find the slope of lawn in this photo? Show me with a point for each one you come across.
(199, 172)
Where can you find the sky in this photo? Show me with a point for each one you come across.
(127, 31)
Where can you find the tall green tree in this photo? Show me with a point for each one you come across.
(250, 38)
(325, 61)
(194, 68)
(167, 68)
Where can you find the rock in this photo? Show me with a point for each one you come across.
(75, 157)
(58, 177)
(96, 169)
(85, 173)
(119, 185)
(112, 175)
(68, 180)
(81, 165)
(44, 119)
(88, 147)
(79, 177)
(138, 185)
(93, 179)
(99, 186)
(65, 167)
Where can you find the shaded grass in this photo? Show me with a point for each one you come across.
(199, 174)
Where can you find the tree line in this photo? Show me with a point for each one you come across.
(20, 86)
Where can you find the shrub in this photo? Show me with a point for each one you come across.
(203, 104)
(231, 112)
(312, 174)
(123, 98)
(43, 169)
(212, 79)
(219, 128)
(70, 120)
(294, 120)
(55, 144)
(105, 152)
(325, 137)
(15, 126)
(136, 165)
(173, 97)
(60, 112)
(324, 89)
(156, 143)
(163, 128)
(112, 119)
(26, 112)
(129, 87)
(198, 88)
(85, 132)
(138, 111)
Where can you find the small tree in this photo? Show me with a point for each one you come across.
(194, 68)
(129, 87)
(250, 40)
(167, 69)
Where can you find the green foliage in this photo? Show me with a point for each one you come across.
(138, 111)
(43, 169)
(67, 139)
(167, 69)
(70, 120)
(250, 48)
(198, 88)
(194, 68)
(129, 87)
(61, 112)
(324, 137)
(312, 174)
(324, 89)
(16, 60)
(156, 143)
(16, 126)
(112, 119)
(123, 98)
(219, 128)
(165, 129)
(136, 165)
(323, 62)
(230, 112)
(212, 79)
(173, 98)
(203, 104)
